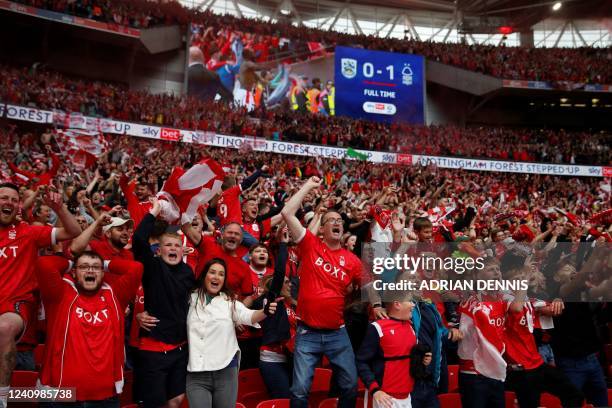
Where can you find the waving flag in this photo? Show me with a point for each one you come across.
(350, 152)
(438, 214)
(84, 147)
(570, 217)
(282, 88)
(481, 344)
(186, 190)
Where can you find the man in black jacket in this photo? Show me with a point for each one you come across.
(167, 283)
(201, 82)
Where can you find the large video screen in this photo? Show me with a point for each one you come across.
(252, 70)
(379, 86)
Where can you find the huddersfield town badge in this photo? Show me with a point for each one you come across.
(349, 67)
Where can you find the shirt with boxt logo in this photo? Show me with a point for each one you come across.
(19, 244)
(325, 276)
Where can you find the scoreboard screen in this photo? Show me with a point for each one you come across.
(380, 86)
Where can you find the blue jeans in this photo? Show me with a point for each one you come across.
(277, 377)
(546, 352)
(586, 375)
(310, 346)
(112, 402)
(478, 391)
(25, 361)
(424, 395)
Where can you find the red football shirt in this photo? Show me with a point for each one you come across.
(228, 206)
(90, 343)
(238, 272)
(19, 244)
(325, 275)
(256, 277)
(103, 248)
(258, 231)
(521, 347)
(191, 255)
(138, 308)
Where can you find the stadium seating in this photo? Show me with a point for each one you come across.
(24, 378)
(549, 401)
(329, 403)
(250, 381)
(277, 403)
(511, 401)
(453, 378)
(126, 396)
(450, 400)
(252, 399)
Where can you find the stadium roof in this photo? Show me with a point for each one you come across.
(577, 23)
(517, 14)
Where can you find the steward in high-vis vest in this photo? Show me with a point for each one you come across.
(298, 99)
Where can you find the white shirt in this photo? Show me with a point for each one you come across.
(211, 331)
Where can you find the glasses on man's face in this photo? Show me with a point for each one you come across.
(334, 221)
(87, 268)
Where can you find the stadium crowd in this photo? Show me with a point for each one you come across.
(38, 87)
(128, 13)
(285, 231)
(579, 65)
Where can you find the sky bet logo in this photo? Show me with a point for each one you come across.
(170, 134)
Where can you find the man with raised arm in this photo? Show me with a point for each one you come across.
(19, 244)
(327, 273)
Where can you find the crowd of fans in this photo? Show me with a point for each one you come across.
(96, 269)
(578, 65)
(109, 207)
(45, 89)
(128, 13)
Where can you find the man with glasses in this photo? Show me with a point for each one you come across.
(327, 273)
(85, 321)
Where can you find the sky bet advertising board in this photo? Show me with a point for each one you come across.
(380, 86)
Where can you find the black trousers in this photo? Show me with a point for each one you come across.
(529, 384)
(249, 352)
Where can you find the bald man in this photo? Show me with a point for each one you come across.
(201, 82)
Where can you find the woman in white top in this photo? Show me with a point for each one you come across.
(214, 356)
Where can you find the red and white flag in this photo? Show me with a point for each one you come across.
(84, 147)
(186, 190)
(437, 214)
(481, 342)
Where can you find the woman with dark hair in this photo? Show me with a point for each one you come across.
(214, 356)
